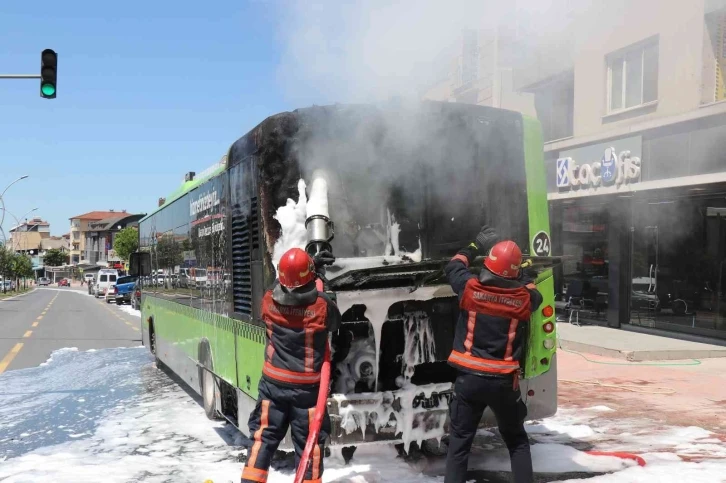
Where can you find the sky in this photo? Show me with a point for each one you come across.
(148, 91)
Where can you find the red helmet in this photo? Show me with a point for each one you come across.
(296, 268)
(504, 259)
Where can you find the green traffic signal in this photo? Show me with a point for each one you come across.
(48, 73)
(48, 89)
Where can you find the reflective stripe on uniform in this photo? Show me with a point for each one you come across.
(254, 474)
(484, 365)
(264, 422)
(461, 258)
(470, 324)
(292, 377)
(510, 339)
(309, 349)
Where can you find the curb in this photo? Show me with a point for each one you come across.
(644, 355)
(19, 295)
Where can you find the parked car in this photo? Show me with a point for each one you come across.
(64, 282)
(123, 290)
(43, 282)
(136, 296)
(105, 279)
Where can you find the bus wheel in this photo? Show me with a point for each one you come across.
(153, 348)
(209, 388)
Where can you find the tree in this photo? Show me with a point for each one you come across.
(126, 243)
(54, 258)
(22, 266)
(5, 265)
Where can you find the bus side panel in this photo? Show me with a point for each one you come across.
(180, 330)
(250, 356)
(539, 358)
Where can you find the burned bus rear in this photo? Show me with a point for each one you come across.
(405, 186)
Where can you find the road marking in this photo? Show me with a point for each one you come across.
(28, 333)
(35, 324)
(44, 312)
(135, 328)
(10, 356)
(39, 317)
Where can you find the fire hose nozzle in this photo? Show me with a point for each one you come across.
(320, 233)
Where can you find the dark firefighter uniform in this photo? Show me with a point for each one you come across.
(298, 322)
(488, 344)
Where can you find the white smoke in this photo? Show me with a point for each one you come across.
(364, 51)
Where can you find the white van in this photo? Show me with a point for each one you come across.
(105, 279)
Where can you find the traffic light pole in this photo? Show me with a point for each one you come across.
(19, 76)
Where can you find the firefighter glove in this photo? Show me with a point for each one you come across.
(486, 239)
(323, 258)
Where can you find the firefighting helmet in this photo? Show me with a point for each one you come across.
(295, 269)
(504, 259)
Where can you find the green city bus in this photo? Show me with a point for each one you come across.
(407, 186)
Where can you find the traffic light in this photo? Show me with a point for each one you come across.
(48, 73)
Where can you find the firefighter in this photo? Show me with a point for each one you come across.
(495, 307)
(298, 319)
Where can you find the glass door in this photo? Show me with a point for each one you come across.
(644, 303)
(678, 265)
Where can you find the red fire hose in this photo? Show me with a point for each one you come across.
(318, 418)
(619, 454)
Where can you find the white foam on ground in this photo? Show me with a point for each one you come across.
(129, 310)
(157, 433)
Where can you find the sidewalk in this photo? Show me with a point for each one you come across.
(680, 393)
(632, 346)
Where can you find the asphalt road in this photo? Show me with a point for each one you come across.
(33, 325)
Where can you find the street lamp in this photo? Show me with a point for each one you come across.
(2, 201)
(17, 221)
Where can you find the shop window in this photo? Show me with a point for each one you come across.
(678, 265)
(585, 271)
(633, 77)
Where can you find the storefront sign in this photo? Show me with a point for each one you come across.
(614, 167)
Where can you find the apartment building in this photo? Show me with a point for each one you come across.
(29, 235)
(100, 237)
(631, 96)
(79, 228)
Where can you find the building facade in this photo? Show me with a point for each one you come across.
(100, 238)
(79, 228)
(631, 96)
(29, 235)
(479, 71)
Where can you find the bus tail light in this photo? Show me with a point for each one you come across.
(548, 327)
(549, 344)
(548, 311)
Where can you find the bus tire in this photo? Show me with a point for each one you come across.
(153, 348)
(208, 384)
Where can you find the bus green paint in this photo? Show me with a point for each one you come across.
(237, 347)
(538, 212)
